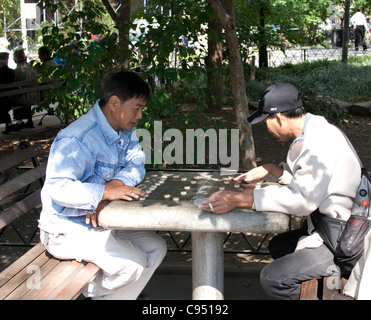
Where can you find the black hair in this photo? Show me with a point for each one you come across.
(295, 113)
(125, 85)
(44, 50)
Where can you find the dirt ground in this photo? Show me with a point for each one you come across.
(267, 149)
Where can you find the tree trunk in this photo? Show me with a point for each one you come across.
(263, 54)
(225, 17)
(214, 66)
(122, 22)
(344, 55)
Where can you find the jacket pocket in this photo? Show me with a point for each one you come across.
(104, 171)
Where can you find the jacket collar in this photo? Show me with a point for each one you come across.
(109, 133)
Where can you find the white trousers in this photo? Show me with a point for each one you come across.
(128, 259)
(358, 284)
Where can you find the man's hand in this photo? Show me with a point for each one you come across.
(225, 201)
(116, 190)
(94, 217)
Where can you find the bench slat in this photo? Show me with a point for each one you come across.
(38, 276)
(17, 157)
(24, 83)
(53, 279)
(31, 275)
(17, 84)
(77, 284)
(19, 279)
(22, 181)
(21, 87)
(20, 208)
(21, 263)
(327, 292)
(309, 290)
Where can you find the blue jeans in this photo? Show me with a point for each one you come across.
(282, 278)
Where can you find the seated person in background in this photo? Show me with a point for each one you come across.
(321, 172)
(24, 102)
(7, 75)
(44, 56)
(91, 162)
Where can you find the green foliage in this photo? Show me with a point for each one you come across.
(348, 82)
(85, 63)
(321, 82)
(176, 71)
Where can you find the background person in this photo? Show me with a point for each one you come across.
(45, 58)
(7, 75)
(358, 20)
(25, 101)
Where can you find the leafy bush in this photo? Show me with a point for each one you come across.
(320, 82)
(349, 82)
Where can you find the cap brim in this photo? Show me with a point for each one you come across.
(256, 117)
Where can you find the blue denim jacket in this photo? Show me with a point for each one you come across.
(83, 157)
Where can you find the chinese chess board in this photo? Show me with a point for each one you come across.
(185, 186)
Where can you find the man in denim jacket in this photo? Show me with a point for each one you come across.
(93, 161)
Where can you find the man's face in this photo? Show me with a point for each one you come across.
(277, 126)
(127, 114)
(42, 57)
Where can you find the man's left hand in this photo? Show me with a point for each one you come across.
(93, 218)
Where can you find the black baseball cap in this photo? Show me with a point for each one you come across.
(279, 97)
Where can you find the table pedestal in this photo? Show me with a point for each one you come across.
(207, 265)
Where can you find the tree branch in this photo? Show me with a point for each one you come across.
(225, 20)
(110, 10)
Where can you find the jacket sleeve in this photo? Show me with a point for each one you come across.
(70, 162)
(306, 182)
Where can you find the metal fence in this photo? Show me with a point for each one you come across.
(301, 54)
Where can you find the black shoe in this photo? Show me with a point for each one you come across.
(29, 124)
(20, 125)
(10, 129)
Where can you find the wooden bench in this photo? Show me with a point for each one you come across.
(322, 289)
(28, 86)
(36, 274)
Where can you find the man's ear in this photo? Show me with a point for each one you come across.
(113, 102)
(279, 118)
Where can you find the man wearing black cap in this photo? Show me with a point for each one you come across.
(321, 172)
